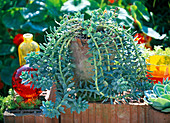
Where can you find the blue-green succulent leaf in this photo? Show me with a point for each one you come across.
(161, 103)
(166, 110)
(158, 89)
(166, 96)
(167, 89)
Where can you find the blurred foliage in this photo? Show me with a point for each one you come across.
(16, 102)
(37, 16)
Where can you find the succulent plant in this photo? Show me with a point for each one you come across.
(88, 59)
(159, 97)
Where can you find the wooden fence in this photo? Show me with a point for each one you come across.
(97, 113)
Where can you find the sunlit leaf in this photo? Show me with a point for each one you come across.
(142, 10)
(35, 27)
(152, 33)
(124, 18)
(35, 11)
(72, 6)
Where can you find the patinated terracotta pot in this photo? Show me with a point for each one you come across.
(80, 48)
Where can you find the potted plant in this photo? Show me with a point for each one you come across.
(89, 62)
(16, 109)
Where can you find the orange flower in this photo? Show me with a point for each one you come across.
(105, 11)
(18, 39)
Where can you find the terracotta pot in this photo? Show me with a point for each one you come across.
(84, 69)
(80, 48)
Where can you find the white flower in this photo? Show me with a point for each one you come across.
(69, 6)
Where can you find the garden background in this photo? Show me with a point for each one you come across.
(148, 18)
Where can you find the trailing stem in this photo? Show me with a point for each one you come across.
(60, 52)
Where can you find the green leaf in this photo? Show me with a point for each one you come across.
(152, 33)
(152, 99)
(89, 61)
(124, 18)
(142, 10)
(161, 103)
(166, 96)
(133, 11)
(21, 3)
(67, 73)
(7, 49)
(6, 75)
(13, 20)
(93, 5)
(1, 64)
(159, 89)
(90, 29)
(99, 63)
(35, 12)
(15, 63)
(35, 27)
(69, 78)
(70, 85)
(166, 110)
(42, 47)
(167, 89)
(54, 7)
(85, 32)
(98, 34)
(65, 69)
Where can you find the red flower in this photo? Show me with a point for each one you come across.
(1, 85)
(12, 57)
(143, 38)
(129, 10)
(18, 39)
(9, 30)
(112, 1)
(140, 38)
